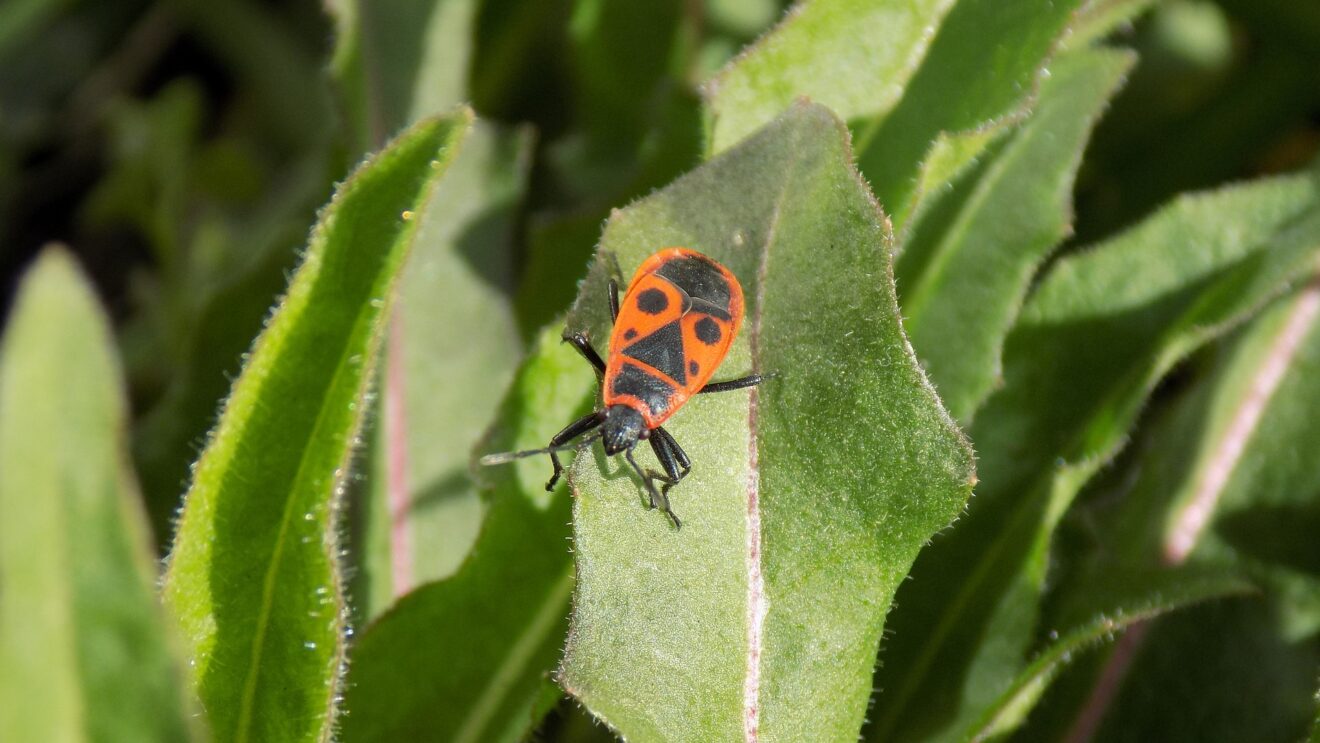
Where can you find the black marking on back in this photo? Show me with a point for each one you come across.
(693, 368)
(700, 278)
(629, 334)
(662, 350)
(708, 331)
(652, 301)
(653, 391)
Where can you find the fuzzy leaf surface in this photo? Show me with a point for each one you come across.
(253, 578)
(84, 654)
(1101, 329)
(465, 658)
(963, 275)
(855, 56)
(809, 497)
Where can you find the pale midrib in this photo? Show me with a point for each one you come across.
(272, 569)
(519, 655)
(396, 455)
(757, 603)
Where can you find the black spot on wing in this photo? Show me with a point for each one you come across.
(652, 301)
(700, 278)
(708, 331)
(629, 334)
(653, 391)
(662, 350)
(693, 368)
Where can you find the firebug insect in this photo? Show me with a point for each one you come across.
(675, 325)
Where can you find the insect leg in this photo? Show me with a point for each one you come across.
(614, 300)
(583, 346)
(570, 432)
(751, 380)
(658, 497)
(674, 460)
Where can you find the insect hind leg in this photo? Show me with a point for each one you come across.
(659, 496)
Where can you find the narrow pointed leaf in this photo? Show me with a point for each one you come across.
(980, 74)
(1103, 327)
(855, 56)
(83, 650)
(808, 498)
(253, 578)
(465, 658)
(963, 287)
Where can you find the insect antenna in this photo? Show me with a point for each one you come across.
(509, 456)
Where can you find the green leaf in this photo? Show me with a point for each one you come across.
(453, 347)
(1116, 601)
(965, 270)
(1101, 329)
(808, 498)
(84, 654)
(398, 62)
(855, 56)
(252, 578)
(979, 75)
(1095, 20)
(1221, 478)
(464, 659)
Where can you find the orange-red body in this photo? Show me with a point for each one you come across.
(676, 324)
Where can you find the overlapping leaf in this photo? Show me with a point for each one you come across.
(808, 498)
(967, 265)
(464, 659)
(84, 654)
(253, 578)
(1102, 328)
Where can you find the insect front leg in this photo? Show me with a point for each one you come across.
(570, 432)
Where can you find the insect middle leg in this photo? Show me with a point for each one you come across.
(751, 380)
(570, 432)
(583, 346)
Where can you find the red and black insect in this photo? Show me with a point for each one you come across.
(675, 325)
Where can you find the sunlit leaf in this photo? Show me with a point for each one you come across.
(253, 579)
(808, 498)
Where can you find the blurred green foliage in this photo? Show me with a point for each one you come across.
(1104, 224)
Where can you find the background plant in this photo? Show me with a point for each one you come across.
(1079, 239)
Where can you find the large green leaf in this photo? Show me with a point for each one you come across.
(464, 659)
(253, 578)
(1102, 328)
(83, 650)
(855, 56)
(808, 497)
(452, 348)
(965, 269)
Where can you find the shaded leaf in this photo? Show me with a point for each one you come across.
(1101, 329)
(1116, 601)
(252, 579)
(1223, 477)
(464, 659)
(808, 497)
(855, 56)
(452, 349)
(83, 650)
(965, 271)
